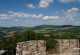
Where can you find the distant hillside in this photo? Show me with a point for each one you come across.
(41, 29)
(55, 27)
(52, 28)
(20, 28)
(67, 31)
(4, 30)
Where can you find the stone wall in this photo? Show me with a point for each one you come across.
(67, 47)
(33, 47)
(38, 47)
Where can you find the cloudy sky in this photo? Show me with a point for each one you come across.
(39, 12)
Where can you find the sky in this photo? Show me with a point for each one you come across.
(39, 12)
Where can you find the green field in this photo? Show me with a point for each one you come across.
(9, 36)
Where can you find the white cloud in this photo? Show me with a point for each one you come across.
(51, 17)
(45, 3)
(12, 15)
(68, 1)
(73, 10)
(44, 17)
(5, 16)
(37, 16)
(22, 15)
(68, 15)
(30, 6)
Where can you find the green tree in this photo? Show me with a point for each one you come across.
(51, 43)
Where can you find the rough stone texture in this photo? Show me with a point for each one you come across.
(67, 47)
(33, 47)
(38, 47)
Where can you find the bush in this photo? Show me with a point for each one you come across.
(51, 43)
